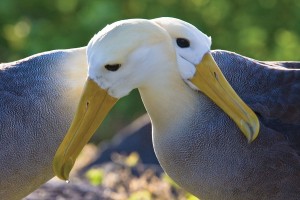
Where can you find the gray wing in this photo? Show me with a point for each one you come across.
(36, 108)
(286, 64)
(271, 89)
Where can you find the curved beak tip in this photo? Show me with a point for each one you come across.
(62, 169)
(252, 130)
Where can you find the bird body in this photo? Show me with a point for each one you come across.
(38, 97)
(204, 152)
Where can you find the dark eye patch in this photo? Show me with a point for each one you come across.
(112, 67)
(183, 43)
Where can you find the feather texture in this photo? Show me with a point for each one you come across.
(271, 89)
(38, 97)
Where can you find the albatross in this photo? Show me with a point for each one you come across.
(197, 142)
(38, 99)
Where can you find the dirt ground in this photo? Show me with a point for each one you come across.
(126, 178)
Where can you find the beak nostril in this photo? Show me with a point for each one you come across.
(216, 75)
(87, 105)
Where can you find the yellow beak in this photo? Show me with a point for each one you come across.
(210, 80)
(93, 106)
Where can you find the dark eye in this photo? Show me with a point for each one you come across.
(113, 67)
(183, 43)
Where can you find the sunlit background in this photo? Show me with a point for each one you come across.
(261, 29)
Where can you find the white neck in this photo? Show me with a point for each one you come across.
(72, 76)
(168, 98)
(75, 70)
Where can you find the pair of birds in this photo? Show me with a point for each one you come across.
(195, 139)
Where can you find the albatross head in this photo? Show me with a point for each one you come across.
(125, 54)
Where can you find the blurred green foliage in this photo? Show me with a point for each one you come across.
(95, 176)
(261, 29)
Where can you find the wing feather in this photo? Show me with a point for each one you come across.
(271, 89)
